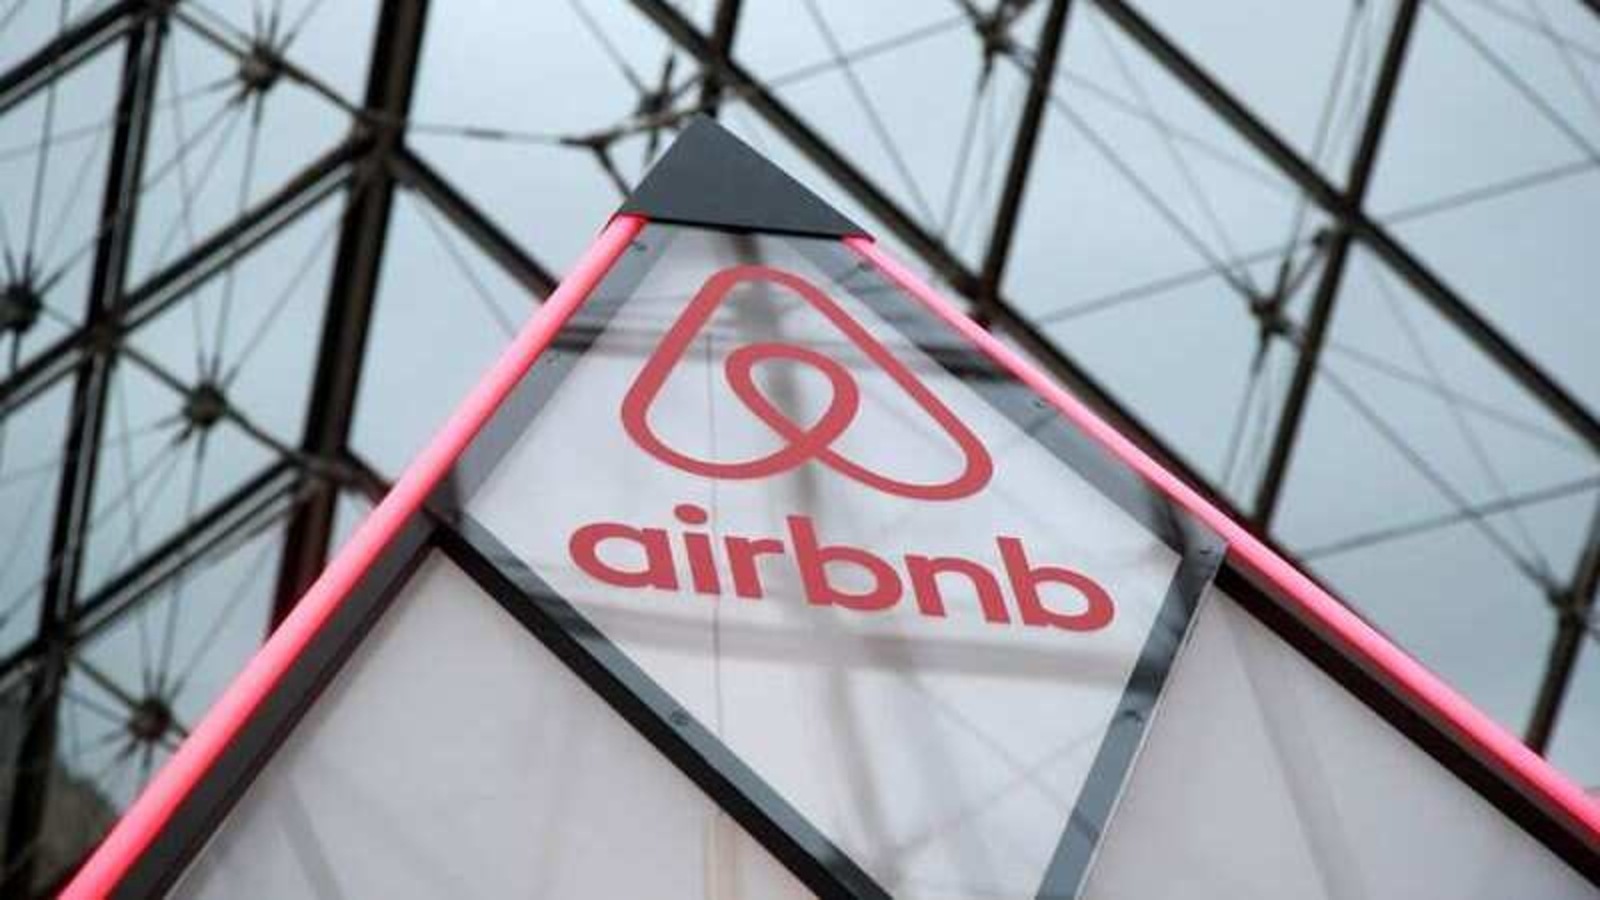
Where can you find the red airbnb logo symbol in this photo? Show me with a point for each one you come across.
(827, 573)
(802, 443)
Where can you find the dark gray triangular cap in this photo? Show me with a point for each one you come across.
(709, 177)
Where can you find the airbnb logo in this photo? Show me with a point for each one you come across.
(1003, 583)
(802, 443)
(627, 556)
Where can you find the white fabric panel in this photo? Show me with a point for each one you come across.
(1262, 777)
(455, 757)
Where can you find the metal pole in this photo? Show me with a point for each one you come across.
(1001, 237)
(352, 292)
(723, 28)
(1573, 609)
(1287, 431)
(36, 756)
(66, 50)
(416, 174)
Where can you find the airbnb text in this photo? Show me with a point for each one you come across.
(1042, 595)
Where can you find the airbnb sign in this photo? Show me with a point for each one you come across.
(798, 502)
(816, 561)
(644, 557)
(802, 443)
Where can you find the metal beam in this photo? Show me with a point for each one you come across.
(1443, 298)
(930, 249)
(416, 174)
(352, 292)
(212, 257)
(165, 287)
(723, 27)
(36, 756)
(1001, 237)
(242, 509)
(1287, 430)
(1574, 607)
(226, 518)
(76, 43)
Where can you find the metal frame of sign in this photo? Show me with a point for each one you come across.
(178, 811)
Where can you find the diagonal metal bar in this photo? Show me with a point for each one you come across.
(237, 45)
(926, 246)
(243, 508)
(36, 755)
(1427, 284)
(723, 28)
(210, 258)
(352, 291)
(66, 50)
(123, 592)
(412, 171)
(1001, 237)
(1287, 431)
(160, 290)
(1574, 607)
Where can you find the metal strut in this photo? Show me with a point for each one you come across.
(352, 292)
(36, 757)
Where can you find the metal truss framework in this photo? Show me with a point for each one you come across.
(374, 161)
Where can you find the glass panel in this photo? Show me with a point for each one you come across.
(1435, 494)
(1155, 248)
(30, 474)
(437, 292)
(1307, 71)
(862, 75)
(162, 470)
(1505, 81)
(54, 147)
(217, 139)
(134, 685)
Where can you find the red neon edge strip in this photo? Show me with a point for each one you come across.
(1471, 724)
(134, 833)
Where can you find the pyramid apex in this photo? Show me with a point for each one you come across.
(709, 177)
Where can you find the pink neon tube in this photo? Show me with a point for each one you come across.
(161, 798)
(1470, 724)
